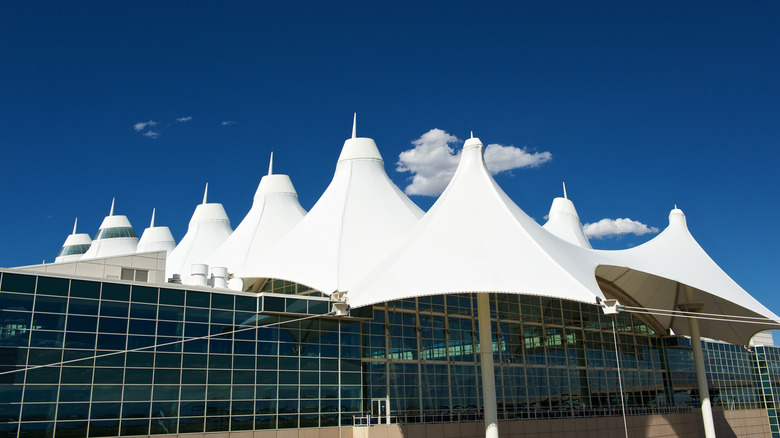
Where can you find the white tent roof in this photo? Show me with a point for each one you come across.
(115, 237)
(650, 274)
(565, 223)
(156, 239)
(275, 211)
(475, 239)
(72, 249)
(209, 228)
(359, 217)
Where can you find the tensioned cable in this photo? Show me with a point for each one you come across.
(181, 341)
(735, 318)
(620, 379)
(698, 314)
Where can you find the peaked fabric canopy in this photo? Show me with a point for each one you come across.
(653, 274)
(74, 246)
(208, 229)
(156, 238)
(565, 223)
(275, 211)
(475, 239)
(115, 237)
(359, 217)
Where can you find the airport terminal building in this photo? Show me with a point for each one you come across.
(367, 317)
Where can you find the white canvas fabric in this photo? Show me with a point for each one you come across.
(475, 239)
(275, 211)
(565, 223)
(650, 274)
(356, 221)
(156, 238)
(209, 227)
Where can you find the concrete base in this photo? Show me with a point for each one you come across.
(728, 424)
(743, 423)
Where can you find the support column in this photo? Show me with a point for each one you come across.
(698, 360)
(486, 361)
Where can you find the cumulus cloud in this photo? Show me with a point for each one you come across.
(616, 228)
(140, 126)
(184, 119)
(151, 134)
(500, 158)
(433, 160)
(229, 122)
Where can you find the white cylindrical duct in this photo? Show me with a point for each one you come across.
(220, 277)
(198, 273)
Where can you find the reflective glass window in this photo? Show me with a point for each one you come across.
(74, 393)
(105, 410)
(18, 283)
(83, 307)
(113, 308)
(84, 289)
(36, 430)
(145, 294)
(72, 411)
(107, 392)
(51, 304)
(80, 340)
(48, 321)
(115, 232)
(38, 411)
(172, 296)
(145, 311)
(40, 338)
(198, 299)
(13, 301)
(140, 359)
(71, 429)
(111, 342)
(112, 325)
(53, 286)
(134, 427)
(171, 313)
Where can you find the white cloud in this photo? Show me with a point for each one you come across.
(502, 158)
(433, 160)
(228, 122)
(616, 227)
(151, 134)
(140, 126)
(184, 119)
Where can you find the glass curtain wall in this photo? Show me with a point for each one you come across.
(90, 358)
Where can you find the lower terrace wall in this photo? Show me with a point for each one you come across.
(740, 423)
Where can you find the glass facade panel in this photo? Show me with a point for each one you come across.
(270, 369)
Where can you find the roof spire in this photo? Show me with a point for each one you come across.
(564, 191)
(151, 224)
(76, 222)
(206, 193)
(675, 206)
(111, 213)
(354, 126)
(472, 134)
(271, 164)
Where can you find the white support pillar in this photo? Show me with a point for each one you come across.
(486, 362)
(698, 360)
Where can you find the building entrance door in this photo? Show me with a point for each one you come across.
(379, 410)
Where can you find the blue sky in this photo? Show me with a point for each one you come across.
(639, 106)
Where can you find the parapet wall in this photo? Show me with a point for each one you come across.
(728, 424)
